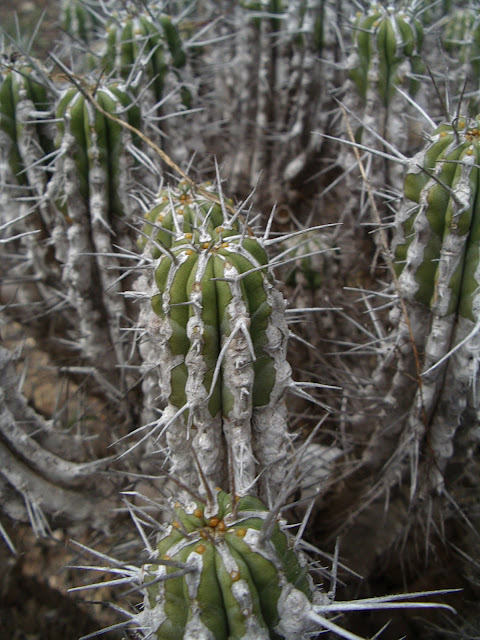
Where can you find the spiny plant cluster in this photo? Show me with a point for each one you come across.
(158, 292)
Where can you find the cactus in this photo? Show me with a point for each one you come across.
(436, 251)
(386, 38)
(385, 68)
(98, 147)
(204, 328)
(27, 139)
(28, 217)
(81, 19)
(226, 568)
(222, 336)
(141, 47)
(461, 41)
(95, 170)
(240, 579)
(460, 37)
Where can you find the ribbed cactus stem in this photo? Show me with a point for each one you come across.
(386, 38)
(221, 337)
(142, 47)
(95, 174)
(385, 59)
(235, 580)
(436, 247)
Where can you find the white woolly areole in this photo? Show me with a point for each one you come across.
(294, 608)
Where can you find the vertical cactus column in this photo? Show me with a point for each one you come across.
(221, 334)
(96, 169)
(27, 217)
(385, 58)
(436, 251)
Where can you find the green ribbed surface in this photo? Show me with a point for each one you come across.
(443, 186)
(235, 590)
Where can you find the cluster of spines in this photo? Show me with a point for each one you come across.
(181, 212)
(237, 578)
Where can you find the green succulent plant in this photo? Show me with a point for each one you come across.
(24, 105)
(96, 144)
(221, 326)
(386, 37)
(239, 575)
(141, 48)
(441, 190)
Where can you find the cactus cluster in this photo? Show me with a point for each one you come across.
(166, 301)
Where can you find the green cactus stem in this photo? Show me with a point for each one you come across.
(222, 334)
(238, 577)
(82, 19)
(385, 38)
(440, 209)
(25, 105)
(141, 48)
(436, 249)
(96, 168)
